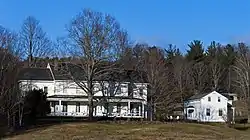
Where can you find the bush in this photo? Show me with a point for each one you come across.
(35, 106)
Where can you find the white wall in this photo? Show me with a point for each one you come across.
(196, 104)
(201, 105)
(68, 87)
(214, 106)
(136, 91)
(37, 84)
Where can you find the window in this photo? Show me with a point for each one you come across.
(130, 89)
(220, 112)
(45, 89)
(118, 90)
(208, 112)
(63, 88)
(118, 108)
(105, 91)
(77, 107)
(190, 111)
(112, 88)
(29, 87)
(53, 104)
(218, 99)
(209, 99)
(141, 91)
(64, 107)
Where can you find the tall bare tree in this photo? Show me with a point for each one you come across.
(242, 70)
(96, 41)
(34, 41)
(8, 76)
(153, 65)
(215, 64)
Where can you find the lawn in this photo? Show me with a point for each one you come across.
(114, 131)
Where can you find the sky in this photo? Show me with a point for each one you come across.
(156, 22)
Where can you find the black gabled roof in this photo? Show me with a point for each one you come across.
(69, 71)
(35, 74)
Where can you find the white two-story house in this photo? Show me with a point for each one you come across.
(208, 107)
(68, 99)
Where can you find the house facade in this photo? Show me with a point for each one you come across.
(208, 107)
(127, 99)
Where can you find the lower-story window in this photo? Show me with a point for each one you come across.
(65, 107)
(118, 108)
(77, 107)
(220, 112)
(208, 112)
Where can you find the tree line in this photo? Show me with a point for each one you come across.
(98, 45)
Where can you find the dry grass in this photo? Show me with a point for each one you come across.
(102, 131)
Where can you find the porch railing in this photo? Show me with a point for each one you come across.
(84, 114)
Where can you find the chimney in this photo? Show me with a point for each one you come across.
(48, 66)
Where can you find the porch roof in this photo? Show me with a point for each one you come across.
(95, 97)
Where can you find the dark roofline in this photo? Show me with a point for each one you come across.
(199, 96)
(52, 74)
(35, 74)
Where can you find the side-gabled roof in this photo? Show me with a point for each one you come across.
(67, 71)
(35, 74)
(199, 96)
(78, 73)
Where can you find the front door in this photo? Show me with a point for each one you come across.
(191, 113)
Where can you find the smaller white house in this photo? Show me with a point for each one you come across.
(208, 107)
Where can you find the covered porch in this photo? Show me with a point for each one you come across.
(111, 109)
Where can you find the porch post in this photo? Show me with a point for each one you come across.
(233, 113)
(129, 108)
(143, 112)
(60, 106)
(140, 113)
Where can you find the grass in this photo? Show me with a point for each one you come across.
(113, 131)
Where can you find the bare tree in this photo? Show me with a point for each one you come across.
(216, 67)
(96, 41)
(182, 77)
(34, 41)
(199, 76)
(8, 76)
(242, 70)
(153, 65)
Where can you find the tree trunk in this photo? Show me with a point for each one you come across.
(90, 101)
(20, 117)
(248, 111)
(8, 116)
(151, 109)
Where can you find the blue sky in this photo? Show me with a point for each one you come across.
(157, 22)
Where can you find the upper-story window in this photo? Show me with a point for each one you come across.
(209, 99)
(118, 90)
(29, 87)
(218, 99)
(45, 89)
(130, 89)
(141, 91)
(63, 88)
